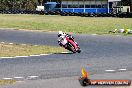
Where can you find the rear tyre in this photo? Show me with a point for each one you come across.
(79, 51)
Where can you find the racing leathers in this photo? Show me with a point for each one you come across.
(62, 37)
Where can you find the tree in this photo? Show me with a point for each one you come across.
(18, 4)
(126, 2)
(41, 2)
(31, 4)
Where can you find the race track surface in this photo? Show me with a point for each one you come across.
(99, 54)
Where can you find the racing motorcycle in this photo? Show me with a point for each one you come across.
(69, 44)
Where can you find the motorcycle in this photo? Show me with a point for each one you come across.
(69, 44)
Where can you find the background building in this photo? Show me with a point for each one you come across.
(89, 6)
(83, 6)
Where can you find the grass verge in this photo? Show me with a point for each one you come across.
(5, 82)
(100, 25)
(10, 50)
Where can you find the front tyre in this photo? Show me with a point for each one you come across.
(71, 48)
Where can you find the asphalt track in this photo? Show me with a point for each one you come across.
(100, 55)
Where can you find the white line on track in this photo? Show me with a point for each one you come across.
(10, 43)
(20, 56)
(64, 52)
(44, 54)
(34, 55)
(122, 69)
(2, 42)
(109, 70)
(25, 56)
(7, 78)
(94, 34)
(19, 77)
(6, 57)
(32, 77)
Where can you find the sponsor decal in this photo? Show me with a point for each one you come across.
(85, 81)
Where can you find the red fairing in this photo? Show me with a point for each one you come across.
(74, 44)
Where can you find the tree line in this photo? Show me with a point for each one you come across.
(19, 4)
(31, 4)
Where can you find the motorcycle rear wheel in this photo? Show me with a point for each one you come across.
(79, 51)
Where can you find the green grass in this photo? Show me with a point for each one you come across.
(7, 50)
(5, 82)
(65, 23)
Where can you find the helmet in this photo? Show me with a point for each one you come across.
(60, 33)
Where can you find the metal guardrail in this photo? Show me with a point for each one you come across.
(64, 13)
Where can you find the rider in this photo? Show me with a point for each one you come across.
(61, 34)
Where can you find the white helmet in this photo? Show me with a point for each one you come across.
(60, 33)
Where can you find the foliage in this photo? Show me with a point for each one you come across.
(126, 2)
(18, 4)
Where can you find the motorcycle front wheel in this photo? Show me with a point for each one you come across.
(71, 48)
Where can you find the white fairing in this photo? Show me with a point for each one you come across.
(64, 41)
